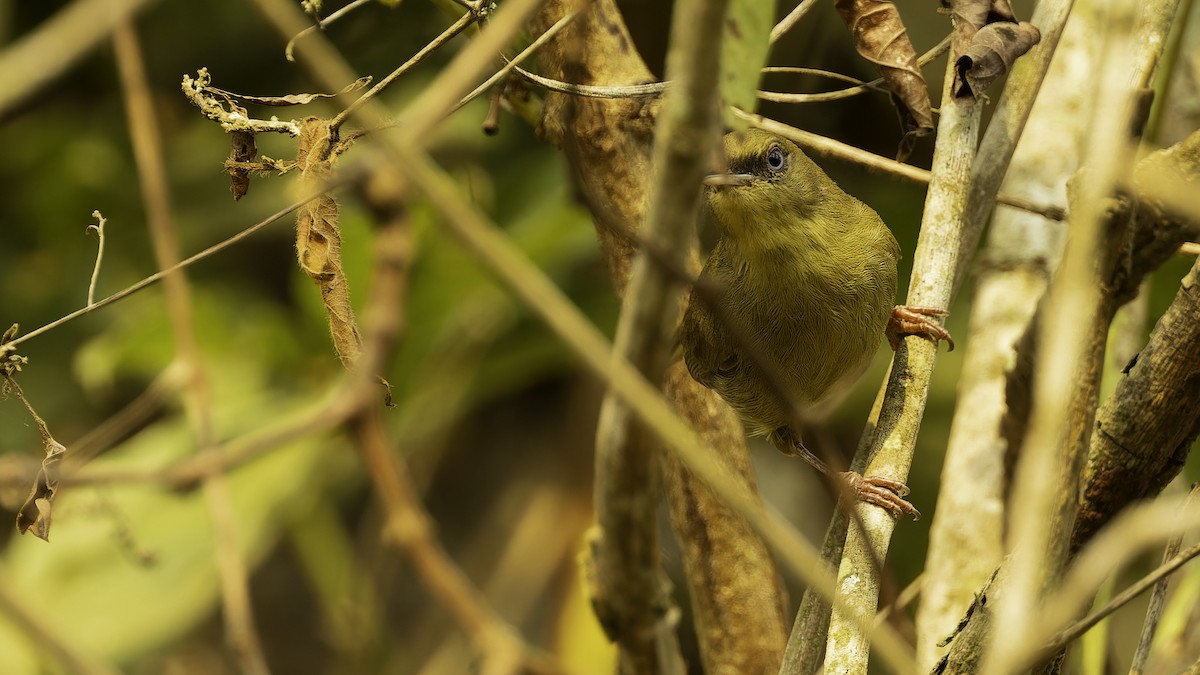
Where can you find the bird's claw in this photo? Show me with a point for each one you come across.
(910, 320)
(882, 492)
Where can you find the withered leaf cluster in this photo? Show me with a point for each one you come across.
(988, 39)
(35, 514)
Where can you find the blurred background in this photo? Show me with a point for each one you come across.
(495, 419)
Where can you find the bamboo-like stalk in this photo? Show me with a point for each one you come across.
(939, 249)
(966, 536)
(1070, 351)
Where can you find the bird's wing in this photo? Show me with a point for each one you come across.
(708, 348)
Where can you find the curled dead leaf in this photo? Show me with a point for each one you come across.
(319, 239)
(290, 99)
(987, 40)
(880, 37)
(970, 17)
(992, 51)
(35, 514)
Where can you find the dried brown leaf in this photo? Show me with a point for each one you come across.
(289, 99)
(881, 38)
(971, 17)
(991, 54)
(35, 514)
(243, 150)
(987, 39)
(319, 239)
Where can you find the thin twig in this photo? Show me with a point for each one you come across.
(859, 87)
(198, 91)
(904, 598)
(99, 228)
(122, 423)
(1083, 583)
(467, 68)
(335, 408)
(511, 64)
(409, 528)
(657, 88)
(457, 27)
(1157, 601)
(788, 22)
(159, 276)
(595, 91)
(816, 72)
(291, 44)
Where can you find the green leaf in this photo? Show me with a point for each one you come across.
(744, 48)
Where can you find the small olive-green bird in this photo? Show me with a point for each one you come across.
(804, 285)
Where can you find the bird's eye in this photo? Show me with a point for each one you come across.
(775, 158)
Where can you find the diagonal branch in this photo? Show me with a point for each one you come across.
(630, 596)
(939, 248)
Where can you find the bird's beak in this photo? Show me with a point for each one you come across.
(723, 180)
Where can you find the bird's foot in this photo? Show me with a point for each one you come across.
(885, 493)
(908, 320)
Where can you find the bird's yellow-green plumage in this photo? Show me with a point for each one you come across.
(807, 273)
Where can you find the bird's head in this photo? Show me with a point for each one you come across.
(770, 183)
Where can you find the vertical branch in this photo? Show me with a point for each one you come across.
(630, 596)
(730, 574)
(240, 630)
(1071, 347)
(966, 535)
(1000, 141)
(940, 248)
